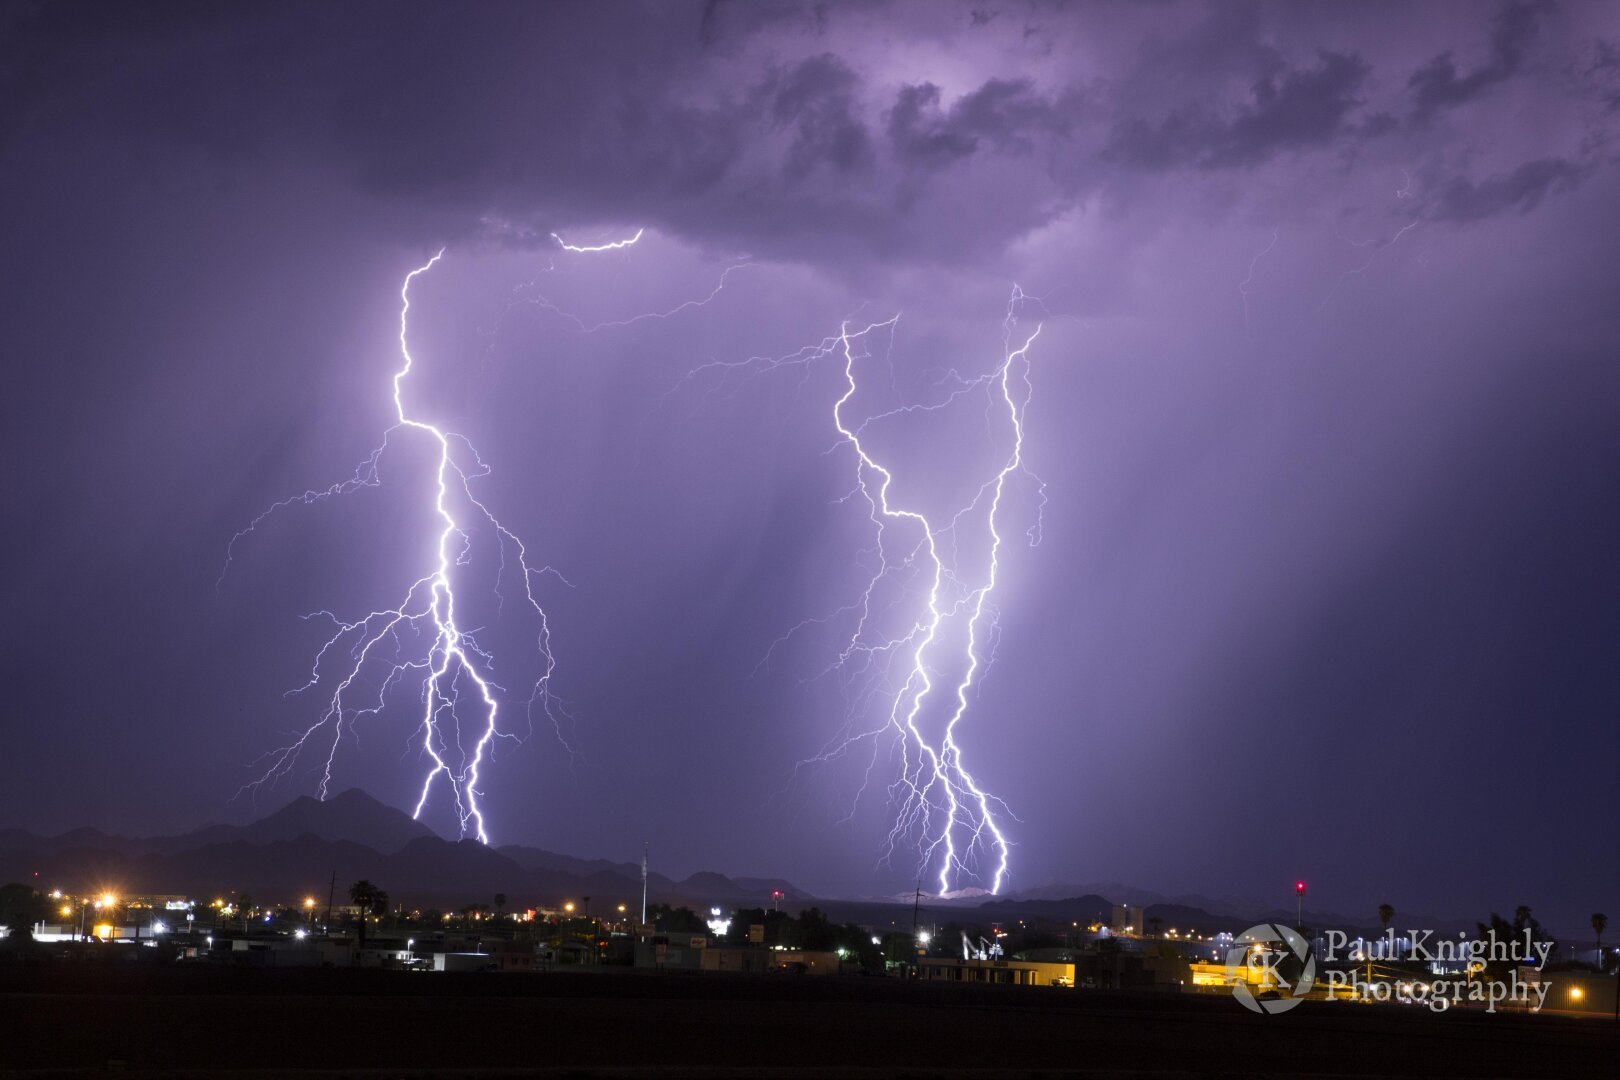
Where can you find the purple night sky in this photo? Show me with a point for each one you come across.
(1325, 401)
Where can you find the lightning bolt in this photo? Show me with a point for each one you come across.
(591, 249)
(896, 677)
(528, 295)
(1375, 245)
(422, 638)
(1243, 286)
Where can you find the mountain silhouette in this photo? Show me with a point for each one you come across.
(295, 851)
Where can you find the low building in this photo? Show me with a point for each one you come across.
(278, 951)
(465, 961)
(1008, 972)
(1121, 970)
(804, 961)
(1574, 991)
(694, 952)
(1127, 919)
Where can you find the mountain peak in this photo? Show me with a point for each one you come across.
(352, 815)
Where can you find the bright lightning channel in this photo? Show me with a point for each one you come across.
(590, 249)
(941, 806)
(422, 637)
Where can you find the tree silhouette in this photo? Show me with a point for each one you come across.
(20, 908)
(675, 920)
(816, 931)
(1506, 931)
(1600, 923)
(370, 900)
(500, 903)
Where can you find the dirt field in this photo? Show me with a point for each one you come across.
(70, 1021)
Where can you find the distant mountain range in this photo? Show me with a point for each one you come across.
(294, 852)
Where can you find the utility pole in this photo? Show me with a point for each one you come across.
(916, 906)
(644, 884)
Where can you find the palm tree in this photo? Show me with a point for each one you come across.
(1600, 923)
(1386, 913)
(370, 900)
(244, 906)
(500, 903)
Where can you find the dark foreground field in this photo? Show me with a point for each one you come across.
(176, 1023)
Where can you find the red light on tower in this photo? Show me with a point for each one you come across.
(1299, 887)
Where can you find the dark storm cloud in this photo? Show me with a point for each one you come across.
(1518, 191)
(1290, 109)
(1438, 85)
(1604, 70)
(502, 112)
(1006, 115)
(817, 103)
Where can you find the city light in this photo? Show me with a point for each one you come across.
(569, 907)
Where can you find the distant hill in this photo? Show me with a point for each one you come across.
(353, 816)
(294, 851)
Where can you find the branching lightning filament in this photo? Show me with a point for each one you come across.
(422, 639)
(909, 686)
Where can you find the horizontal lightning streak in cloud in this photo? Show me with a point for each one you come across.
(589, 249)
